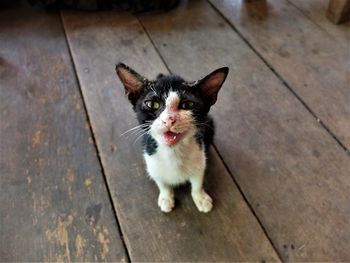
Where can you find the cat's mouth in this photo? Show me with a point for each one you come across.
(172, 138)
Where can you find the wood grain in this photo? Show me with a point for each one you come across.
(339, 11)
(295, 176)
(54, 203)
(229, 233)
(313, 64)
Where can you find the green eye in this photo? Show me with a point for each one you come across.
(186, 105)
(155, 105)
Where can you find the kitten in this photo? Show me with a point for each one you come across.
(177, 131)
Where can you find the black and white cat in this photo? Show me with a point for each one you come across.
(177, 131)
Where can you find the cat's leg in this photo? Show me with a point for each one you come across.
(202, 200)
(166, 197)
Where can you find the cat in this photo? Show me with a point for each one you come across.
(176, 129)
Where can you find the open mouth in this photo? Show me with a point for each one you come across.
(172, 138)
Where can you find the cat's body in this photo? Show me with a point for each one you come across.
(176, 129)
(174, 166)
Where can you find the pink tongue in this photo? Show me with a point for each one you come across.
(171, 137)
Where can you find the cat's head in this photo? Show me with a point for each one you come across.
(170, 107)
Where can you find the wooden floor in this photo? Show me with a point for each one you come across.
(72, 189)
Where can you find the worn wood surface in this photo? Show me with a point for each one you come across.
(53, 201)
(293, 173)
(313, 64)
(338, 11)
(315, 10)
(229, 233)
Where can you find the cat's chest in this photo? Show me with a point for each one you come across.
(176, 165)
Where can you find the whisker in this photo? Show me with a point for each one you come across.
(204, 124)
(138, 132)
(142, 134)
(134, 128)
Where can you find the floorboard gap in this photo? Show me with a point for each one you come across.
(322, 124)
(308, 17)
(247, 202)
(153, 44)
(217, 152)
(95, 143)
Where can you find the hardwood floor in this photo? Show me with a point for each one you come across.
(54, 200)
(73, 189)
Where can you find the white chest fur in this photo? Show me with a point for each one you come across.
(176, 165)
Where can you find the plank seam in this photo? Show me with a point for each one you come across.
(248, 203)
(309, 18)
(217, 152)
(153, 44)
(95, 143)
(284, 82)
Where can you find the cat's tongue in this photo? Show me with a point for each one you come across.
(172, 138)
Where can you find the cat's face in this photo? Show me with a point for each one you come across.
(171, 108)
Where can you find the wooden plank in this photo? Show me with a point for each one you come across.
(316, 10)
(339, 11)
(229, 233)
(305, 56)
(54, 203)
(295, 176)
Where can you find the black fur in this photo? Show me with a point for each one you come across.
(149, 144)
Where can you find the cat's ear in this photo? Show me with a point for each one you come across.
(131, 80)
(212, 83)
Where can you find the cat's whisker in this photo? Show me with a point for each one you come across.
(134, 128)
(131, 132)
(203, 124)
(140, 136)
(136, 132)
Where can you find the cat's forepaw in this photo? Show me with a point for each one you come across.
(166, 203)
(203, 201)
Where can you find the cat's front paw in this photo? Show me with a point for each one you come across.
(166, 203)
(203, 201)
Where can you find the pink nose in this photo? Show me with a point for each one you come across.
(169, 121)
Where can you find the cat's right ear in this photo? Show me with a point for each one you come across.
(132, 81)
(212, 83)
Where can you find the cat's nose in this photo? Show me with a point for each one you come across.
(169, 121)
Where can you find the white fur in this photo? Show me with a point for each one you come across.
(180, 163)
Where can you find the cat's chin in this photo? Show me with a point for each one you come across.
(171, 138)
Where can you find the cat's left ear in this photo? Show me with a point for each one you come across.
(212, 83)
(132, 81)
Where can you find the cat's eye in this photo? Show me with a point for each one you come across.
(186, 105)
(152, 104)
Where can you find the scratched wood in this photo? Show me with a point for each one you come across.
(54, 203)
(316, 10)
(310, 60)
(292, 172)
(229, 233)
